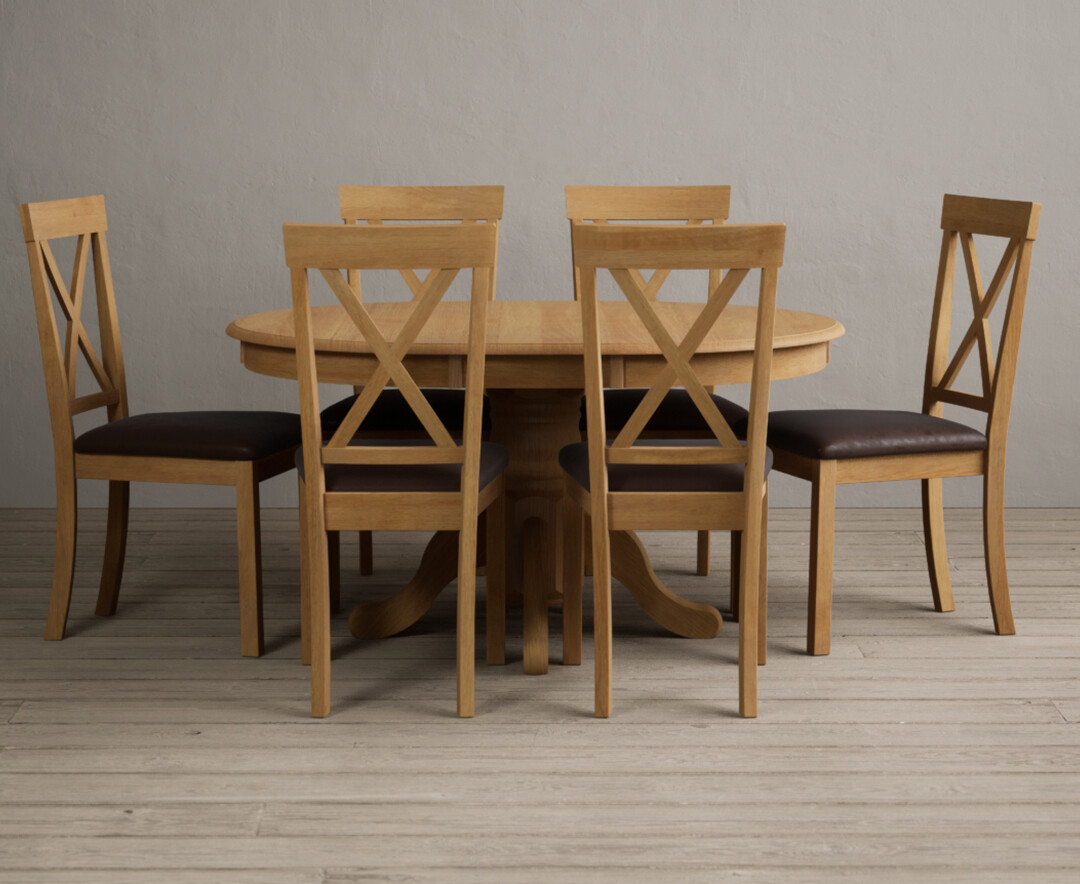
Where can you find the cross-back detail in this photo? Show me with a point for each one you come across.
(962, 219)
(83, 219)
(375, 206)
(678, 356)
(390, 355)
(737, 249)
(445, 250)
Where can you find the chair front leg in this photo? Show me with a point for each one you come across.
(997, 577)
(112, 568)
(249, 555)
(573, 579)
(763, 581)
(736, 558)
(495, 589)
(64, 561)
(822, 530)
(936, 558)
(367, 555)
(305, 581)
(333, 564)
(748, 610)
(703, 554)
(466, 618)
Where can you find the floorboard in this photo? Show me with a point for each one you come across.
(143, 748)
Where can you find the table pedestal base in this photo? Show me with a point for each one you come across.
(534, 425)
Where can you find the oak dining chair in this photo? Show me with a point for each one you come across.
(238, 448)
(436, 484)
(719, 483)
(833, 447)
(676, 416)
(377, 205)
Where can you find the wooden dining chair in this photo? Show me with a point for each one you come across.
(390, 415)
(353, 483)
(239, 448)
(676, 416)
(719, 483)
(841, 446)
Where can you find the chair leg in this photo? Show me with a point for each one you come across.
(763, 582)
(937, 560)
(703, 553)
(587, 552)
(64, 562)
(997, 577)
(333, 564)
(367, 566)
(822, 530)
(573, 580)
(495, 590)
(736, 558)
(466, 619)
(112, 569)
(250, 562)
(305, 582)
(601, 557)
(748, 611)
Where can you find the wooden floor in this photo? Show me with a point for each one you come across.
(924, 749)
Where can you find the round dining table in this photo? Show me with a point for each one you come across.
(534, 378)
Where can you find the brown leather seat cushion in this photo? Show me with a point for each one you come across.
(845, 433)
(391, 413)
(574, 459)
(676, 414)
(409, 477)
(202, 435)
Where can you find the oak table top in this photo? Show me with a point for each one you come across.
(548, 329)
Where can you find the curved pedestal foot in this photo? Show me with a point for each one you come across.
(630, 566)
(438, 567)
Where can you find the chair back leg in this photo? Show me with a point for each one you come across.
(997, 577)
(64, 562)
(112, 568)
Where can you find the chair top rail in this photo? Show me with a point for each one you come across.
(685, 203)
(991, 217)
(662, 247)
(333, 246)
(58, 219)
(468, 203)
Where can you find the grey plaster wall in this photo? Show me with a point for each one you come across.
(207, 124)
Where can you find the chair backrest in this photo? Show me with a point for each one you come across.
(738, 249)
(695, 205)
(963, 217)
(445, 250)
(471, 204)
(84, 219)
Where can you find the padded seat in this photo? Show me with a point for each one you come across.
(436, 477)
(723, 477)
(392, 413)
(195, 435)
(843, 434)
(677, 413)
